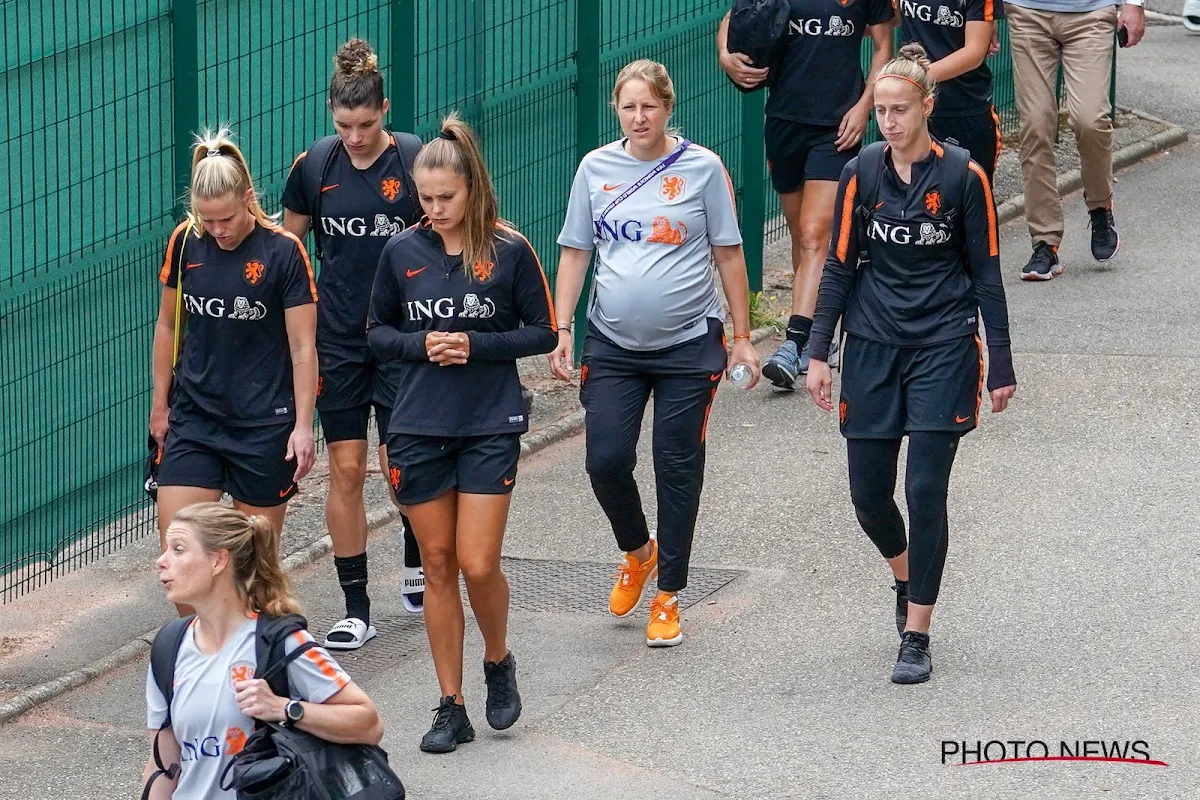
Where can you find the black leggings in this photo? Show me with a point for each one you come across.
(872, 489)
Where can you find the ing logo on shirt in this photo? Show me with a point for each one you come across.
(671, 187)
(663, 233)
(390, 188)
(254, 272)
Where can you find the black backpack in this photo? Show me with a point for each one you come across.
(955, 169)
(321, 153)
(278, 762)
(758, 28)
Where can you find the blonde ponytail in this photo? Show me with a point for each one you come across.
(220, 169)
(253, 547)
(457, 149)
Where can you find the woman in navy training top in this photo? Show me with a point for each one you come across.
(357, 183)
(457, 300)
(913, 364)
(235, 414)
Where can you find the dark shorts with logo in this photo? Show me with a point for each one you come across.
(978, 133)
(249, 463)
(423, 468)
(349, 384)
(798, 152)
(889, 391)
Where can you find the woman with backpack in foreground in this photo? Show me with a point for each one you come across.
(914, 259)
(226, 565)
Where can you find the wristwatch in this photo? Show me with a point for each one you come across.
(293, 712)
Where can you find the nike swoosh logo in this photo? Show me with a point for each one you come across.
(197, 264)
(411, 272)
(961, 419)
(284, 493)
(327, 188)
(613, 187)
(715, 378)
(509, 481)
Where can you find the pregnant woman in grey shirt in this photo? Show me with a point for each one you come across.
(655, 208)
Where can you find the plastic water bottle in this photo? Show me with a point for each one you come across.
(740, 376)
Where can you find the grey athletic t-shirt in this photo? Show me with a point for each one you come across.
(205, 717)
(653, 286)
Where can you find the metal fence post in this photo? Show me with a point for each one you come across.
(186, 95)
(587, 119)
(403, 73)
(754, 201)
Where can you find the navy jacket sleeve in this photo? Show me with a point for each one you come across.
(385, 316)
(531, 299)
(983, 254)
(837, 279)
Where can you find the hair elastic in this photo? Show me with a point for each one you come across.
(214, 151)
(447, 136)
(924, 91)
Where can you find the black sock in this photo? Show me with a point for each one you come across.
(901, 587)
(798, 329)
(352, 575)
(412, 554)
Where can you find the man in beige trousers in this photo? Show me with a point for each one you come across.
(1079, 35)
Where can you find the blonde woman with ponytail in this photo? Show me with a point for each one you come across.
(457, 300)
(226, 565)
(913, 265)
(235, 364)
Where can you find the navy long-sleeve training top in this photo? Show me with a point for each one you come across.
(505, 308)
(916, 289)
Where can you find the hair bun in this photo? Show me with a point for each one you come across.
(916, 53)
(356, 57)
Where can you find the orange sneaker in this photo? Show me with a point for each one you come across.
(663, 630)
(632, 579)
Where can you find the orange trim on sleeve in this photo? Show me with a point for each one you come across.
(938, 150)
(999, 139)
(728, 180)
(297, 161)
(312, 281)
(993, 234)
(541, 270)
(989, 11)
(321, 662)
(847, 218)
(165, 272)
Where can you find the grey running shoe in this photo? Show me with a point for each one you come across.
(1105, 241)
(913, 664)
(782, 368)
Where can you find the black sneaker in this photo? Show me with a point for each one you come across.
(901, 590)
(503, 699)
(450, 728)
(1105, 241)
(913, 664)
(1043, 264)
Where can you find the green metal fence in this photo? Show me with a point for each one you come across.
(102, 97)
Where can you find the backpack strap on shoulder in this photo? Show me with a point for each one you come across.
(868, 175)
(164, 651)
(314, 169)
(270, 656)
(409, 145)
(956, 167)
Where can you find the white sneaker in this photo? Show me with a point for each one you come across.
(413, 591)
(1191, 15)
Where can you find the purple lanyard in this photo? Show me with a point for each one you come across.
(649, 176)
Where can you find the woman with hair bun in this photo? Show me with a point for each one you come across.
(234, 412)
(914, 262)
(354, 190)
(226, 565)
